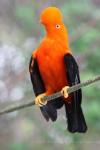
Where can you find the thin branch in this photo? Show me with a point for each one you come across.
(18, 106)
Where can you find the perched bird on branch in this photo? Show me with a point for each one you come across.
(53, 68)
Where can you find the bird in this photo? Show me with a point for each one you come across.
(53, 68)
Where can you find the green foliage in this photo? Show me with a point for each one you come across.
(26, 18)
(94, 64)
(19, 146)
(85, 43)
(74, 13)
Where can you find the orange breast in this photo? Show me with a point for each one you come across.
(52, 67)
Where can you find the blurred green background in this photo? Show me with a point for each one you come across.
(20, 34)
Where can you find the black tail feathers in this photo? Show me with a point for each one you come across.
(75, 119)
(49, 112)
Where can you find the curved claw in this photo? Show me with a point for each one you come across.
(39, 100)
(64, 91)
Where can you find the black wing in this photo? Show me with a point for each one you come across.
(37, 82)
(49, 110)
(76, 121)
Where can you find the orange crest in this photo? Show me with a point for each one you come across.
(51, 15)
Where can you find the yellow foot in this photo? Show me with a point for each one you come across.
(39, 100)
(64, 91)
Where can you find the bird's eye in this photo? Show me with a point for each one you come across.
(57, 26)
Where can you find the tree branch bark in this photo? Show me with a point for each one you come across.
(18, 106)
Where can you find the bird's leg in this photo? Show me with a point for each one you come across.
(39, 100)
(64, 91)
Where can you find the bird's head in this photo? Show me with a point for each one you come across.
(51, 16)
(52, 19)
